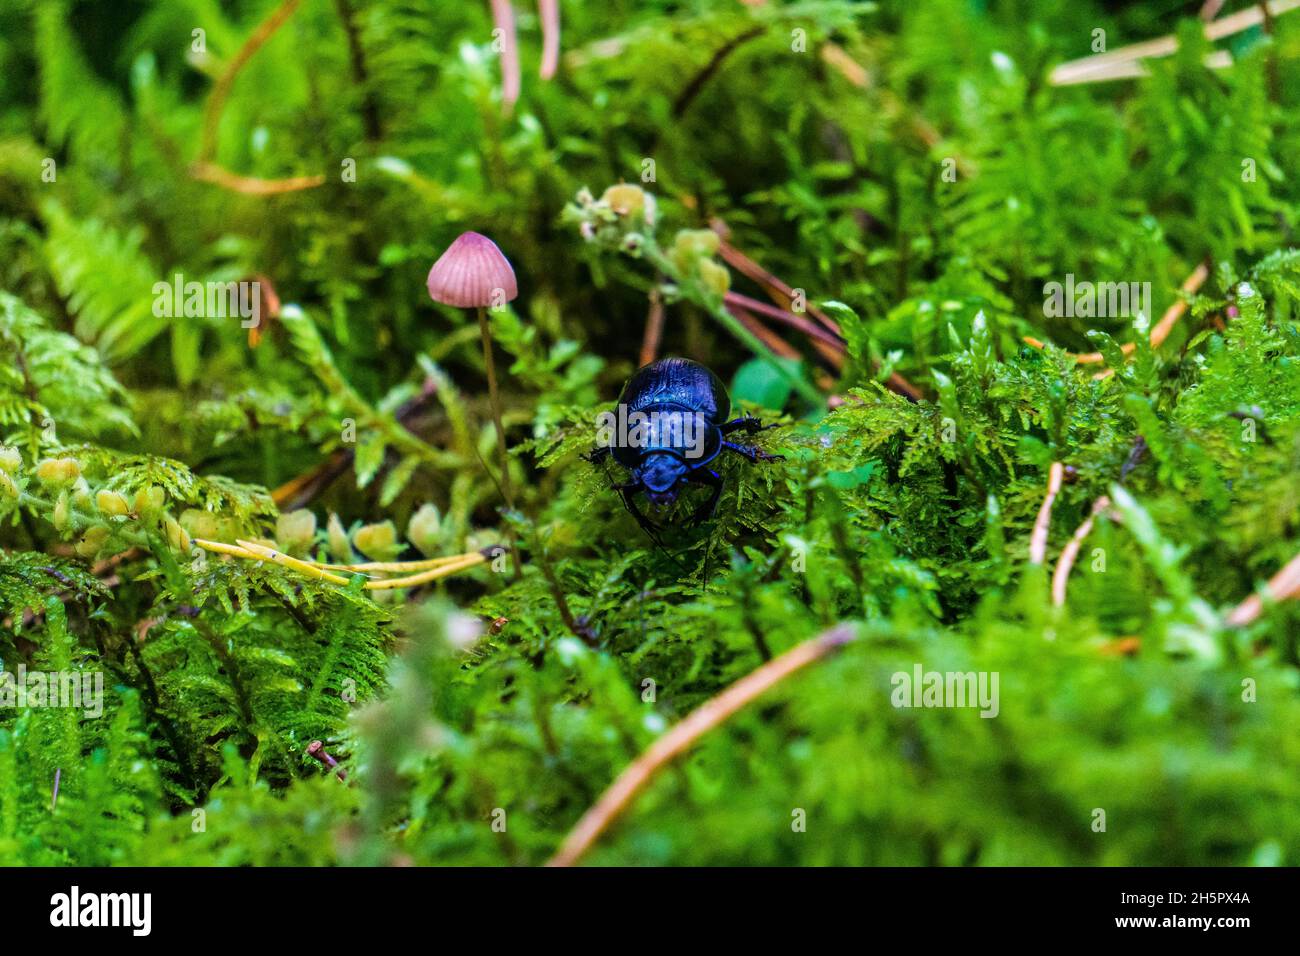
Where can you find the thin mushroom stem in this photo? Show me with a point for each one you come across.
(503, 18)
(495, 398)
(549, 11)
(1061, 576)
(1038, 540)
(698, 722)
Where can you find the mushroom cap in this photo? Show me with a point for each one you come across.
(472, 273)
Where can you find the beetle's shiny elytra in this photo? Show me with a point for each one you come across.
(687, 407)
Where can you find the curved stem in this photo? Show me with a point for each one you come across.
(704, 718)
(1038, 539)
(549, 11)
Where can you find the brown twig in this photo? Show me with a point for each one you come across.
(221, 90)
(654, 328)
(557, 592)
(778, 291)
(204, 168)
(773, 342)
(1071, 551)
(360, 74)
(251, 185)
(835, 56)
(99, 569)
(830, 347)
(894, 106)
(797, 322)
(1038, 540)
(783, 295)
(1159, 332)
(1281, 586)
(618, 797)
(697, 83)
(1120, 63)
(1136, 69)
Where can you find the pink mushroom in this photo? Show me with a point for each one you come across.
(473, 274)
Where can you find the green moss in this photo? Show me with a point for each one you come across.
(921, 204)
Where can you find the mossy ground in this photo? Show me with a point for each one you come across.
(908, 172)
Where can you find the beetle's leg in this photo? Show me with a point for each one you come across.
(752, 453)
(627, 492)
(598, 455)
(746, 423)
(709, 477)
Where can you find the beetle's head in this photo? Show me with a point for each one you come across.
(660, 473)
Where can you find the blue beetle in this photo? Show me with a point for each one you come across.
(670, 424)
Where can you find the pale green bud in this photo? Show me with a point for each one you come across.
(631, 201)
(149, 501)
(112, 504)
(377, 541)
(425, 530)
(714, 277)
(92, 541)
(340, 546)
(58, 472)
(201, 524)
(10, 459)
(177, 538)
(294, 530)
